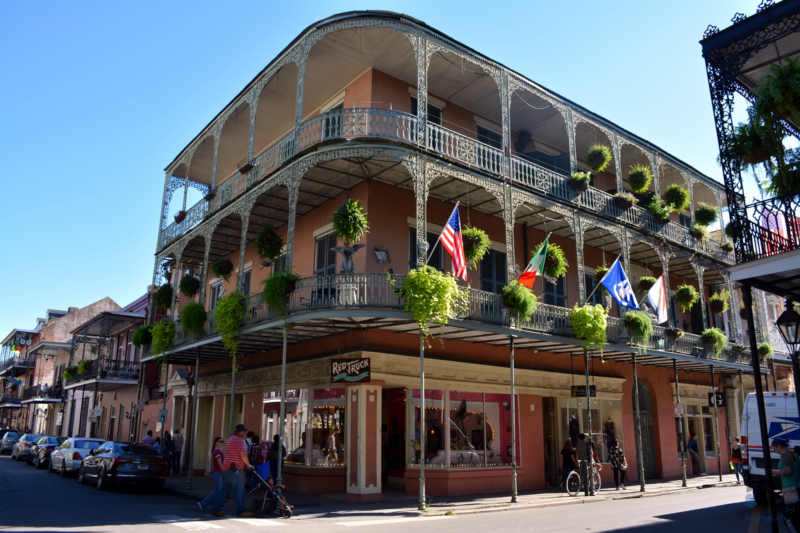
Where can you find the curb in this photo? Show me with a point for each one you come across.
(180, 494)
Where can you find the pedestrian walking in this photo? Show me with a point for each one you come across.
(736, 459)
(568, 461)
(694, 453)
(276, 454)
(177, 438)
(788, 469)
(157, 445)
(217, 458)
(254, 454)
(233, 468)
(619, 465)
(149, 440)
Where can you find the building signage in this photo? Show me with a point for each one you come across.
(720, 399)
(162, 416)
(678, 410)
(59, 418)
(350, 370)
(579, 391)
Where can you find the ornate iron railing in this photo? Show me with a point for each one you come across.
(379, 291)
(357, 122)
(463, 149)
(18, 361)
(108, 369)
(41, 392)
(10, 398)
(772, 227)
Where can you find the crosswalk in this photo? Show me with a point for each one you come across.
(195, 524)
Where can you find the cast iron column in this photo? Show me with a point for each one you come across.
(716, 419)
(164, 406)
(639, 455)
(422, 422)
(590, 458)
(233, 394)
(513, 430)
(282, 421)
(194, 420)
(680, 424)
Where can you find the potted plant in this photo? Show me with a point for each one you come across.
(189, 286)
(640, 327)
(350, 224)
(431, 296)
(212, 192)
(519, 298)
(599, 157)
(555, 262)
(268, 244)
(579, 181)
(640, 177)
(739, 349)
(69, 372)
(162, 297)
(676, 198)
(653, 204)
(726, 246)
(142, 336)
(686, 296)
(748, 145)
(180, 217)
(718, 303)
(163, 336)
(646, 283)
(765, 350)
(476, 245)
(193, 318)
(84, 367)
(673, 333)
(590, 324)
(222, 268)
(277, 287)
(229, 314)
(778, 91)
(625, 200)
(705, 214)
(698, 232)
(713, 338)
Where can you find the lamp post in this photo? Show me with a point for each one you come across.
(789, 327)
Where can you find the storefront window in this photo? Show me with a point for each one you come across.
(606, 423)
(328, 427)
(297, 429)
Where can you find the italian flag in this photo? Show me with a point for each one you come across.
(536, 265)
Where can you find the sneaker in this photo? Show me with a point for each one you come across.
(623, 486)
(246, 514)
(617, 488)
(218, 514)
(703, 474)
(200, 505)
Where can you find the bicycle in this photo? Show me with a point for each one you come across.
(575, 483)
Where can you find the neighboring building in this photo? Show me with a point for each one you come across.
(16, 371)
(382, 108)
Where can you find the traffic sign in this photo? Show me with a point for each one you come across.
(678, 410)
(162, 416)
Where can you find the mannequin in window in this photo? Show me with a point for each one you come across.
(573, 429)
(609, 430)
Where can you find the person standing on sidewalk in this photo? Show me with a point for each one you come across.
(788, 469)
(619, 465)
(149, 440)
(217, 458)
(694, 453)
(167, 449)
(233, 468)
(177, 438)
(568, 461)
(736, 459)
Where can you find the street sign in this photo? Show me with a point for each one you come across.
(162, 416)
(678, 410)
(579, 391)
(59, 418)
(720, 399)
(140, 405)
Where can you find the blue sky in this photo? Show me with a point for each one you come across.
(96, 98)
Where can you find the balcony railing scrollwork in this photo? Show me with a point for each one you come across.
(108, 369)
(41, 392)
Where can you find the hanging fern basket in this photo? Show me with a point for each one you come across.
(555, 262)
(162, 298)
(189, 286)
(222, 268)
(476, 245)
(640, 177)
(350, 221)
(520, 299)
(640, 327)
(268, 244)
(646, 283)
(599, 157)
(686, 296)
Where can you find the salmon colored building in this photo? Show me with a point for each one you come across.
(382, 108)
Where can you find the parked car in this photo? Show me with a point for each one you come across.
(40, 452)
(8, 442)
(3, 432)
(68, 456)
(23, 447)
(124, 462)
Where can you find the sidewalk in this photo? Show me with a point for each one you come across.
(395, 504)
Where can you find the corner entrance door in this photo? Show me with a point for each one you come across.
(648, 438)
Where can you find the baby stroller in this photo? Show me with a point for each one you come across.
(272, 499)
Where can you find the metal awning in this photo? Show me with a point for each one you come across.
(102, 384)
(95, 325)
(49, 348)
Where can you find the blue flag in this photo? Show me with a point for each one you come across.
(619, 287)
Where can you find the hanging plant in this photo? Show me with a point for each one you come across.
(84, 367)
(686, 296)
(646, 283)
(269, 245)
(222, 268)
(698, 232)
(579, 181)
(765, 350)
(518, 297)
(162, 298)
(742, 311)
(277, 287)
(599, 157)
(779, 90)
(673, 333)
(599, 273)
(718, 303)
(640, 177)
(729, 230)
(625, 200)
(714, 338)
(189, 286)
(705, 214)
(350, 222)
(640, 326)
(229, 314)
(676, 198)
(590, 323)
(193, 318)
(69, 372)
(180, 217)
(476, 245)
(726, 247)
(431, 296)
(163, 336)
(555, 263)
(654, 205)
(142, 336)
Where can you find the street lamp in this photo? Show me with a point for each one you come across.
(789, 327)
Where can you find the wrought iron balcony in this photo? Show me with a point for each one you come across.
(396, 126)
(376, 291)
(10, 399)
(18, 362)
(41, 392)
(772, 227)
(105, 369)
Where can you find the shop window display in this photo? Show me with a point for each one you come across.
(606, 423)
(315, 428)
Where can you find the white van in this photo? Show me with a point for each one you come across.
(782, 422)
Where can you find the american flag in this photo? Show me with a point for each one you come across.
(453, 243)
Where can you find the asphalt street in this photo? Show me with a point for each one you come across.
(33, 500)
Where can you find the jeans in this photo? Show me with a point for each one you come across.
(737, 469)
(231, 480)
(168, 457)
(211, 498)
(176, 463)
(619, 476)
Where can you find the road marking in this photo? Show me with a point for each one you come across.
(259, 521)
(754, 520)
(185, 523)
(389, 521)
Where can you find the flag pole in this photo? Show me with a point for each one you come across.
(600, 282)
(430, 253)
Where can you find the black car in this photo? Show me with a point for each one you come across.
(39, 455)
(124, 462)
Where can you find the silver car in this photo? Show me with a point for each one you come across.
(9, 440)
(68, 457)
(23, 447)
